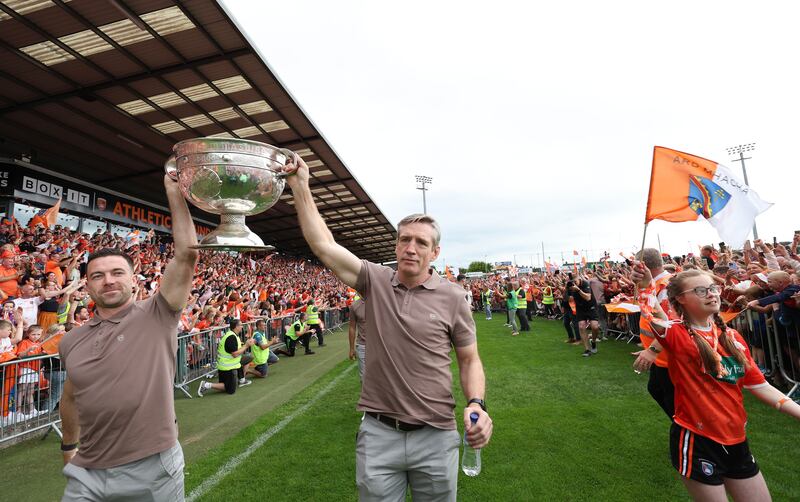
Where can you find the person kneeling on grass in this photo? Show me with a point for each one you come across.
(709, 364)
(299, 330)
(229, 361)
(262, 355)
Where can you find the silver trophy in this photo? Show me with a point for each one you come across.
(232, 178)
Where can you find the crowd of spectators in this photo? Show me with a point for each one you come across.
(762, 277)
(42, 289)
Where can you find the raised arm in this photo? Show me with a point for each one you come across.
(73, 262)
(342, 262)
(177, 280)
(19, 328)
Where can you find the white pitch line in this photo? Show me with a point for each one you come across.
(236, 461)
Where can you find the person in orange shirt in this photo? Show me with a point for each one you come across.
(659, 385)
(9, 275)
(530, 308)
(10, 337)
(710, 365)
(30, 374)
(54, 265)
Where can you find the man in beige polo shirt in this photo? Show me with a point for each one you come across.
(408, 436)
(118, 396)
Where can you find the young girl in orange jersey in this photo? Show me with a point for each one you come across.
(29, 372)
(709, 365)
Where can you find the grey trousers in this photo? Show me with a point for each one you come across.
(157, 478)
(388, 461)
(361, 353)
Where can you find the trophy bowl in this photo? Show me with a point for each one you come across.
(232, 178)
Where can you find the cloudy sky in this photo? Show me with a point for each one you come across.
(537, 120)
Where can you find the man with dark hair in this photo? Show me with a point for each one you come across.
(299, 330)
(118, 397)
(262, 355)
(80, 315)
(586, 313)
(229, 361)
(312, 319)
(707, 255)
(106, 252)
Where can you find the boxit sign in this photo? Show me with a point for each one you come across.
(55, 191)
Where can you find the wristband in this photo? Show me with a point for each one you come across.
(69, 447)
(781, 402)
(479, 402)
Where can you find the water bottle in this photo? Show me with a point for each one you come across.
(471, 460)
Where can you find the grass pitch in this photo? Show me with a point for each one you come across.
(566, 428)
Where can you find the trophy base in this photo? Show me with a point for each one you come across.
(232, 235)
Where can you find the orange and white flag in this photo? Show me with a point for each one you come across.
(685, 187)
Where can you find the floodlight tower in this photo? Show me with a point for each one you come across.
(424, 181)
(739, 150)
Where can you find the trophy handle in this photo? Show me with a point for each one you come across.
(290, 155)
(171, 168)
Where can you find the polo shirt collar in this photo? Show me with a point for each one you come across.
(116, 319)
(431, 283)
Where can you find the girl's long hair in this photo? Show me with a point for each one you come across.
(711, 359)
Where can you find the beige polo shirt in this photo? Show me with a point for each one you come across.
(410, 334)
(358, 316)
(122, 371)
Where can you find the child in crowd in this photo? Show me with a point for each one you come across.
(10, 336)
(709, 365)
(30, 375)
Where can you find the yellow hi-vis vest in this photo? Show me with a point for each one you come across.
(63, 315)
(547, 298)
(522, 301)
(312, 315)
(225, 361)
(260, 356)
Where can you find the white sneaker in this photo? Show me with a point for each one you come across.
(204, 386)
(243, 382)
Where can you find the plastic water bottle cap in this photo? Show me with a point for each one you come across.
(473, 417)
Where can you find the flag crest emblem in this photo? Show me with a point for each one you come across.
(706, 198)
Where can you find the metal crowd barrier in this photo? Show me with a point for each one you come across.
(780, 343)
(623, 326)
(197, 352)
(333, 320)
(31, 388)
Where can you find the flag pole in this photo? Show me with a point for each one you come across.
(641, 257)
(644, 235)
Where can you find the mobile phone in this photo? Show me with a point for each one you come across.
(774, 241)
(722, 246)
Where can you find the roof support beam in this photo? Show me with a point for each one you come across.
(158, 72)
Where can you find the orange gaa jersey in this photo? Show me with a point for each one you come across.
(705, 404)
